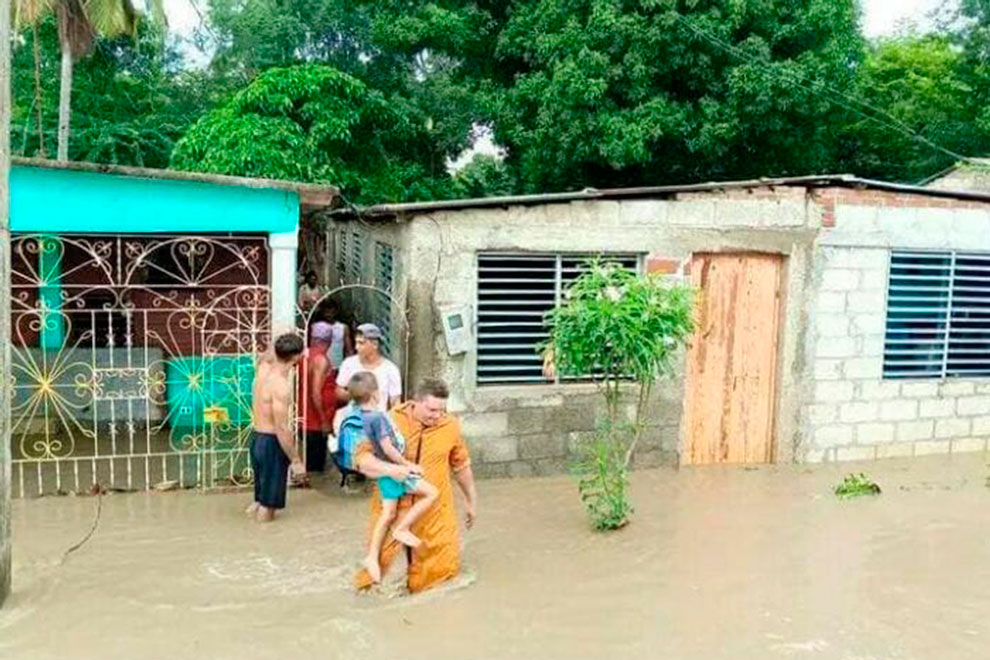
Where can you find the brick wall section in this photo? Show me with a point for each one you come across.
(830, 197)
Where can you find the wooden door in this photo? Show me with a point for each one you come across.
(732, 361)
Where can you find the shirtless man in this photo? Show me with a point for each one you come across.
(272, 445)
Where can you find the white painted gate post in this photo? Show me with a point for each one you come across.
(283, 247)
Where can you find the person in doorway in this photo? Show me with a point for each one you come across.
(317, 396)
(273, 447)
(341, 345)
(388, 446)
(434, 443)
(309, 292)
(369, 358)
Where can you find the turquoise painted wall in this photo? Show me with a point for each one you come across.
(60, 201)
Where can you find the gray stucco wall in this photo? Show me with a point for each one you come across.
(532, 429)
(359, 268)
(831, 401)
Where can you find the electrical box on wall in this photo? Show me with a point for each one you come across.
(457, 329)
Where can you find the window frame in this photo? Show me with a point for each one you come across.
(560, 281)
(950, 328)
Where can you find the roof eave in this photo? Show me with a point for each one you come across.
(307, 191)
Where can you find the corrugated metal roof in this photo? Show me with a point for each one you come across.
(386, 211)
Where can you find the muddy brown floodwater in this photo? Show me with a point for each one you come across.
(719, 563)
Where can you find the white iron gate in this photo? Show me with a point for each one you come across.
(133, 359)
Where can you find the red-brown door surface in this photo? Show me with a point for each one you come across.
(732, 361)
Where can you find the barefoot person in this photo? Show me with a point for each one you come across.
(388, 446)
(273, 448)
(317, 396)
(434, 442)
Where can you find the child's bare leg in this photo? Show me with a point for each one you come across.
(428, 494)
(378, 538)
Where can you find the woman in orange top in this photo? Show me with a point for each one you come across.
(433, 440)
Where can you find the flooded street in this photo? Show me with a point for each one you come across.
(719, 563)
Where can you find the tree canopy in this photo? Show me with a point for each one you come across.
(924, 83)
(315, 123)
(378, 97)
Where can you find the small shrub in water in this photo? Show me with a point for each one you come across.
(623, 331)
(856, 485)
(603, 479)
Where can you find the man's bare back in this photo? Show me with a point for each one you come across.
(273, 446)
(268, 385)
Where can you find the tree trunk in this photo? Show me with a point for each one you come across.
(65, 103)
(39, 101)
(5, 475)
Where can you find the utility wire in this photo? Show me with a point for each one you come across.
(800, 79)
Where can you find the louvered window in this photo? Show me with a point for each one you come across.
(938, 315)
(515, 291)
(343, 253)
(384, 280)
(355, 256)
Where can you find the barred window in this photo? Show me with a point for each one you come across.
(938, 315)
(515, 291)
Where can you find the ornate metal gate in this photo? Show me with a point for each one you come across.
(133, 359)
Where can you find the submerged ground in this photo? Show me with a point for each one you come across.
(720, 563)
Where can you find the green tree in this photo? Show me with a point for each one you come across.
(314, 123)
(613, 93)
(133, 99)
(972, 32)
(365, 39)
(80, 23)
(610, 93)
(626, 331)
(925, 84)
(484, 176)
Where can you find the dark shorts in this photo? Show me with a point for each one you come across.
(271, 470)
(316, 451)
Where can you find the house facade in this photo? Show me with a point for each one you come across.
(839, 318)
(140, 301)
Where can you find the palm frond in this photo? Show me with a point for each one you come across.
(75, 31)
(26, 12)
(112, 18)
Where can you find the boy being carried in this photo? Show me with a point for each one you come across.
(388, 445)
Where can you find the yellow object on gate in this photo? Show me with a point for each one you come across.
(215, 415)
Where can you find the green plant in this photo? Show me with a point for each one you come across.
(622, 331)
(856, 485)
(317, 124)
(603, 477)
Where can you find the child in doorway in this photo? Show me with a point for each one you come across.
(388, 445)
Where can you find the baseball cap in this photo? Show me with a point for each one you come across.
(321, 331)
(370, 331)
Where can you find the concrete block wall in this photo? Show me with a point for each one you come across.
(524, 431)
(851, 412)
(533, 429)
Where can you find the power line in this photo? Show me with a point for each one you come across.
(895, 123)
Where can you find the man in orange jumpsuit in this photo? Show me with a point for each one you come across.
(434, 442)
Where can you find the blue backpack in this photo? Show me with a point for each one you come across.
(351, 435)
